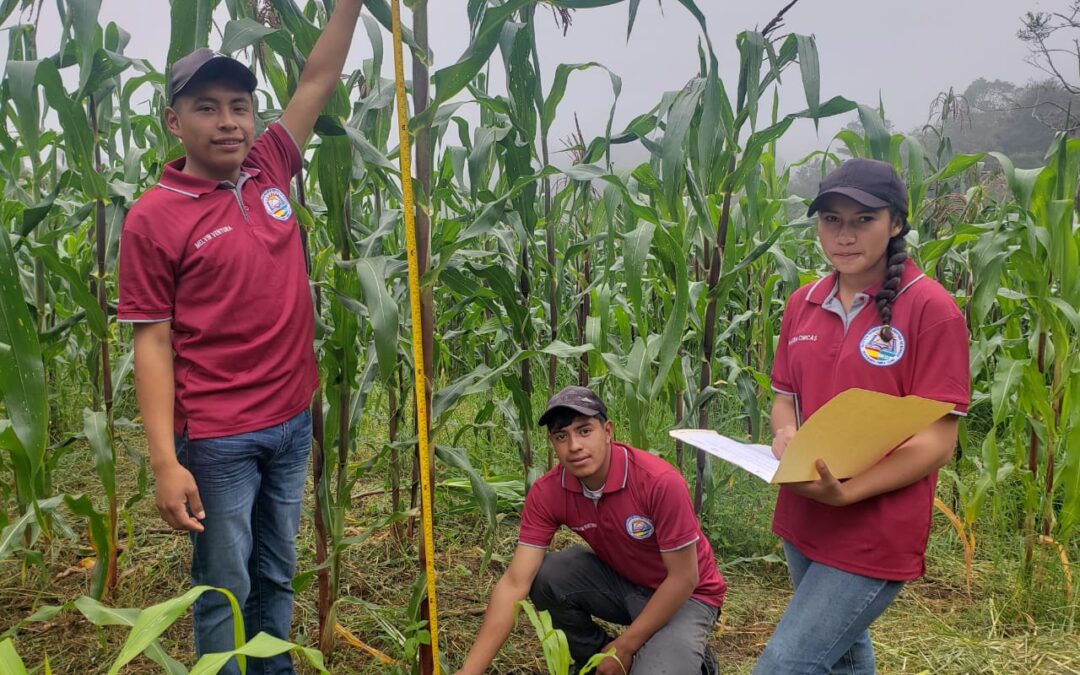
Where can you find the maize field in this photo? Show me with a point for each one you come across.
(544, 263)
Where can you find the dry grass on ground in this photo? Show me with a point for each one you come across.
(934, 626)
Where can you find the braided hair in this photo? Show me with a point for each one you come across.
(896, 256)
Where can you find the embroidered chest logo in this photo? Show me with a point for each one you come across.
(877, 351)
(277, 204)
(639, 527)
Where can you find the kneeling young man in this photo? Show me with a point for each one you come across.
(650, 568)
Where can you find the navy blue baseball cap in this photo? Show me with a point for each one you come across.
(870, 182)
(579, 399)
(206, 62)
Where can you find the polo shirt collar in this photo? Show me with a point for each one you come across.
(618, 474)
(824, 287)
(176, 180)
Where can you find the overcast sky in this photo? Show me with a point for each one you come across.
(906, 52)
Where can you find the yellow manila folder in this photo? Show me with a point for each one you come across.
(853, 431)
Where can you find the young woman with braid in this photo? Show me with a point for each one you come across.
(876, 322)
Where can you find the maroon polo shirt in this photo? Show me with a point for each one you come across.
(819, 355)
(224, 263)
(644, 511)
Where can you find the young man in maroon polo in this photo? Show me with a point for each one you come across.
(649, 567)
(212, 275)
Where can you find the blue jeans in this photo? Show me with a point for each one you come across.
(251, 486)
(826, 626)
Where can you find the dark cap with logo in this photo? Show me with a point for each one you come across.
(208, 63)
(870, 182)
(579, 399)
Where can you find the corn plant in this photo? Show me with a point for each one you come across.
(553, 642)
(659, 284)
(147, 625)
(67, 247)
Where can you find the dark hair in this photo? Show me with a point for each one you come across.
(895, 256)
(564, 417)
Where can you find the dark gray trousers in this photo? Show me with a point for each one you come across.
(574, 586)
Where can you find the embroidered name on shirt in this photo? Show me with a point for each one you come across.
(202, 241)
(582, 528)
(802, 338)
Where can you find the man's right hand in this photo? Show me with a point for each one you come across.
(177, 498)
(781, 439)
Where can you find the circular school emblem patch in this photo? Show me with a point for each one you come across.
(277, 204)
(639, 527)
(878, 352)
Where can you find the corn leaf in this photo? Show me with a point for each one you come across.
(156, 619)
(22, 379)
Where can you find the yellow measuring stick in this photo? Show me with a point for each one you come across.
(417, 332)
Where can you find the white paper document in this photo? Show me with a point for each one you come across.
(757, 459)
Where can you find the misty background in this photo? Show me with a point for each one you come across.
(905, 56)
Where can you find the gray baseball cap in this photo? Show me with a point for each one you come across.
(870, 182)
(205, 62)
(578, 399)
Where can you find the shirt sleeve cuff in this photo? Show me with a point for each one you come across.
(959, 401)
(680, 546)
(143, 317)
(525, 543)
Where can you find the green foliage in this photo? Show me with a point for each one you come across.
(664, 282)
(552, 640)
(22, 380)
(147, 626)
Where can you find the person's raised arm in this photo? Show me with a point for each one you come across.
(322, 72)
(499, 617)
(175, 490)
